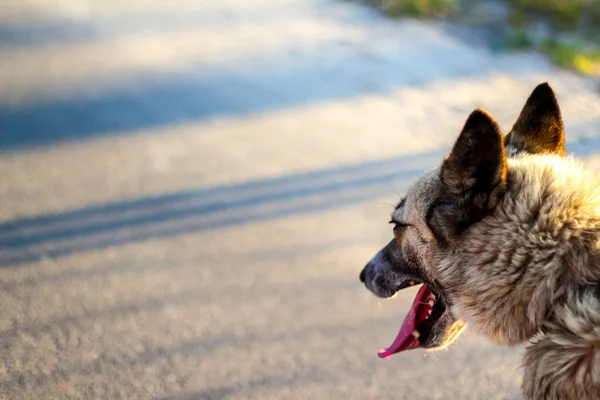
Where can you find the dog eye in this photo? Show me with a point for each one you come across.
(399, 225)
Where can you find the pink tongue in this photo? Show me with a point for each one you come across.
(405, 340)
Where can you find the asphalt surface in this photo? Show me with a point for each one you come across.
(190, 189)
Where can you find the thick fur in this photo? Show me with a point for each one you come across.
(508, 230)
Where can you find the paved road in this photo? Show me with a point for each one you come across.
(190, 189)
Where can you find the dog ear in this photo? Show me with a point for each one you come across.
(477, 162)
(539, 128)
(473, 177)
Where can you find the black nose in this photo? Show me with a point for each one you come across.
(362, 275)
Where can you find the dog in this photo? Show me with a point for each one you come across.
(504, 235)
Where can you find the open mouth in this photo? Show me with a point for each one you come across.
(418, 327)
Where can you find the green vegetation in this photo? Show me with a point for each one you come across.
(565, 12)
(570, 28)
(418, 8)
(572, 56)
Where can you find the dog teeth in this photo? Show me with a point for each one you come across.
(431, 303)
(430, 312)
(416, 334)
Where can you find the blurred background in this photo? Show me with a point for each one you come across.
(190, 189)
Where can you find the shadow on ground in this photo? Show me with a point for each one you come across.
(28, 239)
(169, 99)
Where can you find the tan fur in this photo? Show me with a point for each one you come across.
(540, 243)
(526, 269)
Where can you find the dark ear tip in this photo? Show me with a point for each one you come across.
(543, 95)
(480, 118)
(543, 89)
(480, 111)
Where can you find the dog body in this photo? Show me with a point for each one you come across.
(505, 235)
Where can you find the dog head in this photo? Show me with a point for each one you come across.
(440, 208)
